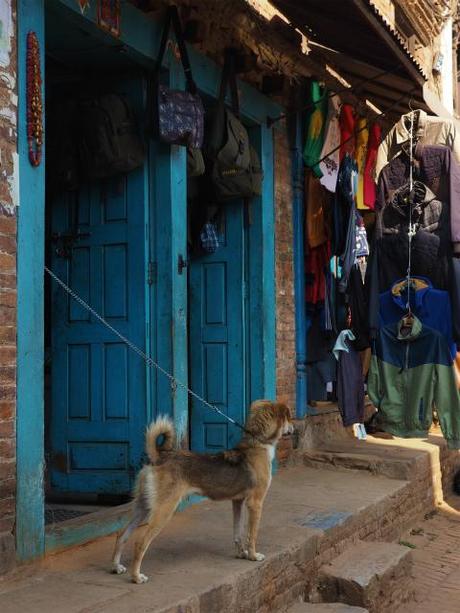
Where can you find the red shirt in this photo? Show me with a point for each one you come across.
(370, 194)
(347, 122)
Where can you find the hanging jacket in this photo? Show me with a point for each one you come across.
(409, 376)
(431, 248)
(430, 305)
(427, 130)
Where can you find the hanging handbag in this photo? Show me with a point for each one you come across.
(236, 170)
(178, 115)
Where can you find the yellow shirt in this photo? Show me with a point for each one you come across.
(362, 135)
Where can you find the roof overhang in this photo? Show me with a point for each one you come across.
(355, 39)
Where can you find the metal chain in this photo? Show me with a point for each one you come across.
(148, 360)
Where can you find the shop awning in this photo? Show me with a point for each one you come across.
(355, 39)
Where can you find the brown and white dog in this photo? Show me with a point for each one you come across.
(242, 475)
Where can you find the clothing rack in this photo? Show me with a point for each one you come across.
(312, 105)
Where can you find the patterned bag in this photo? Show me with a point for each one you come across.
(178, 115)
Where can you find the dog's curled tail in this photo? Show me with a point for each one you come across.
(162, 426)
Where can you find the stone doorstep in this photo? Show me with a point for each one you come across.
(309, 517)
(369, 574)
(338, 607)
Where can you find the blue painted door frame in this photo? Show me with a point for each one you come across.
(167, 235)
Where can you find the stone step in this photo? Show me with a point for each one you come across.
(338, 607)
(373, 575)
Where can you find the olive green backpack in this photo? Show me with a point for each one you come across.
(233, 164)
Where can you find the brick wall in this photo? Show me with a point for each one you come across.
(8, 159)
(285, 308)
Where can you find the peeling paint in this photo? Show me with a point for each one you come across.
(6, 32)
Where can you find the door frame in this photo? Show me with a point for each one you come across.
(167, 239)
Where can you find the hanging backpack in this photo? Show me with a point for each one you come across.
(61, 146)
(177, 116)
(109, 140)
(235, 166)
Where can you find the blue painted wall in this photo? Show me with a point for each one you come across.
(30, 322)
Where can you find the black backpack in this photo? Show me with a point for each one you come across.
(61, 147)
(109, 141)
(234, 164)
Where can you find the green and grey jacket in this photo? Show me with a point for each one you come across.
(409, 376)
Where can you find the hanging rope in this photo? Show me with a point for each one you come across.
(411, 231)
(312, 105)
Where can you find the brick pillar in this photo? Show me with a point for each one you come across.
(285, 308)
(8, 178)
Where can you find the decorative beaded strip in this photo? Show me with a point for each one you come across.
(34, 100)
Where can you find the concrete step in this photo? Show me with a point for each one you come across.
(338, 607)
(373, 575)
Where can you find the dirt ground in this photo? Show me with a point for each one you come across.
(436, 549)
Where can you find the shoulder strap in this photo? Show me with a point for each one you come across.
(229, 80)
(172, 18)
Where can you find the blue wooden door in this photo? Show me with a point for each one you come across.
(217, 336)
(98, 385)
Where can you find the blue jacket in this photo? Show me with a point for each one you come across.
(431, 306)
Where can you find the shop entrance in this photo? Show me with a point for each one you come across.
(217, 312)
(95, 404)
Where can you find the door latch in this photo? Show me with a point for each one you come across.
(181, 263)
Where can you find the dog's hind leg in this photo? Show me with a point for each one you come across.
(238, 528)
(159, 518)
(138, 516)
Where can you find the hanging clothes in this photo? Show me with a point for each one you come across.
(350, 382)
(430, 246)
(316, 267)
(436, 167)
(373, 143)
(359, 309)
(345, 208)
(316, 203)
(430, 305)
(428, 130)
(344, 203)
(315, 130)
(347, 122)
(362, 137)
(410, 374)
(330, 166)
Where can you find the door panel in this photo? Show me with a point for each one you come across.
(216, 315)
(98, 409)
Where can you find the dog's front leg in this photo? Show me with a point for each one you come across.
(238, 528)
(255, 511)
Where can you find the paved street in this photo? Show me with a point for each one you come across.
(437, 561)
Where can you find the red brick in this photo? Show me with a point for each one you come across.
(8, 281)
(8, 225)
(7, 354)
(7, 428)
(8, 488)
(7, 506)
(8, 334)
(7, 314)
(7, 392)
(7, 448)
(7, 524)
(7, 470)
(8, 244)
(7, 374)
(7, 262)
(8, 298)
(7, 410)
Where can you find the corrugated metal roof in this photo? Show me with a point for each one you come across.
(354, 27)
